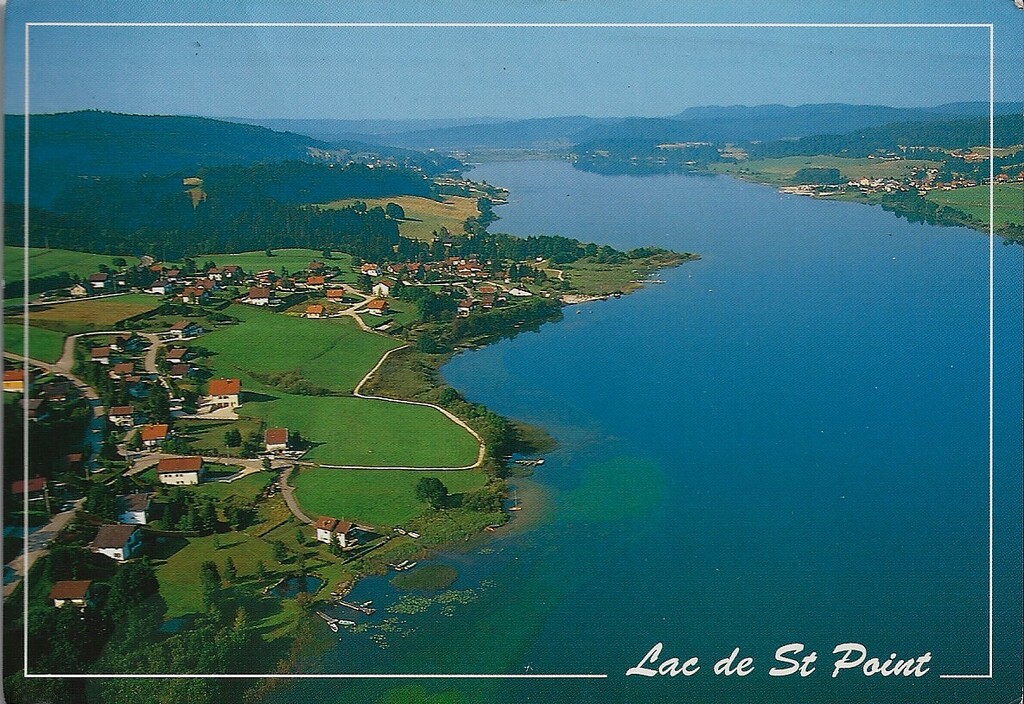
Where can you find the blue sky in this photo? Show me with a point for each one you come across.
(354, 73)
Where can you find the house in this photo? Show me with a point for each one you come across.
(73, 460)
(194, 295)
(314, 311)
(487, 288)
(185, 329)
(172, 274)
(276, 439)
(99, 282)
(34, 408)
(232, 272)
(36, 488)
(335, 294)
(465, 307)
(14, 380)
(118, 542)
(122, 416)
(225, 392)
(315, 266)
(76, 592)
(328, 529)
(370, 269)
(215, 273)
(378, 306)
(316, 282)
(100, 354)
(160, 287)
(127, 343)
(153, 435)
(382, 289)
(121, 280)
(258, 296)
(177, 355)
(121, 370)
(78, 290)
(179, 471)
(179, 371)
(58, 390)
(133, 509)
(207, 284)
(487, 302)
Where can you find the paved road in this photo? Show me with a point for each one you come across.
(38, 545)
(287, 491)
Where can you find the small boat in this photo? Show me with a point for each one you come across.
(333, 626)
(411, 534)
(515, 502)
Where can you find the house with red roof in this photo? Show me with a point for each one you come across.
(122, 416)
(224, 392)
(378, 306)
(315, 311)
(100, 354)
(14, 380)
(77, 593)
(276, 439)
(331, 529)
(258, 296)
(118, 542)
(180, 471)
(153, 435)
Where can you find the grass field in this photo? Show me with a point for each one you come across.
(380, 498)
(247, 488)
(291, 259)
(46, 262)
(207, 436)
(422, 215)
(83, 316)
(1008, 202)
(333, 354)
(780, 172)
(365, 432)
(593, 278)
(44, 345)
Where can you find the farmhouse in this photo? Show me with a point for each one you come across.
(100, 354)
(133, 508)
(331, 529)
(127, 343)
(78, 290)
(14, 380)
(179, 371)
(465, 307)
(232, 272)
(180, 470)
(184, 329)
(76, 593)
(122, 370)
(99, 281)
(258, 296)
(160, 287)
(382, 289)
(225, 392)
(176, 355)
(153, 435)
(276, 439)
(122, 416)
(316, 282)
(370, 269)
(378, 306)
(194, 295)
(58, 390)
(118, 542)
(314, 311)
(335, 294)
(36, 488)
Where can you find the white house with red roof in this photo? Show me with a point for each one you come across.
(331, 529)
(224, 392)
(180, 471)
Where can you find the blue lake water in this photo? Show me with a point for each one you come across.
(785, 442)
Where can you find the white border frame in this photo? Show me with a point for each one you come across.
(991, 298)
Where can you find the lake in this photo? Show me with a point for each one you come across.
(786, 442)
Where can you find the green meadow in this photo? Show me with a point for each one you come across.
(378, 497)
(46, 262)
(1008, 202)
(44, 345)
(333, 354)
(292, 260)
(780, 172)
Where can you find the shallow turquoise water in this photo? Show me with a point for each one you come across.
(785, 442)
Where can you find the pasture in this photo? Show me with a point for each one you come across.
(423, 215)
(353, 431)
(44, 345)
(378, 497)
(292, 260)
(333, 354)
(781, 171)
(87, 315)
(47, 262)
(1008, 202)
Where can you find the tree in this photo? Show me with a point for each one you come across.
(394, 211)
(326, 253)
(132, 584)
(158, 405)
(432, 491)
(230, 571)
(233, 438)
(364, 283)
(280, 552)
(209, 577)
(261, 571)
(119, 261)
(300, 537)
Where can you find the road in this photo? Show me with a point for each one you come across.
(38, 545)
(288, 491)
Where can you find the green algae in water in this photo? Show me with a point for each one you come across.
(619, 488)
(426, 578)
